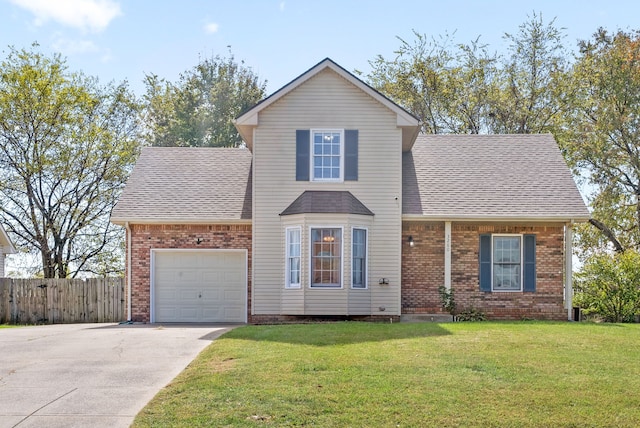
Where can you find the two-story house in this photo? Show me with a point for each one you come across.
(337, 207)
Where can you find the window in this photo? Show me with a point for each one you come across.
(326, 155)
(293, 258)
(326, 257)
(359, 258)
(507, 263)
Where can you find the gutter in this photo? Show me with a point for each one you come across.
(493, 219)
(122, 221)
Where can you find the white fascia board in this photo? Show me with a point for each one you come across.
(143, 220)
(493, 219)
(249, 119)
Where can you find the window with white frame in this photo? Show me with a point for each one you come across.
(326, 158)
(359, 258)
(507, 262)
(293, 257)
(326, 257)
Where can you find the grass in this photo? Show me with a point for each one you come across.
(521, 374)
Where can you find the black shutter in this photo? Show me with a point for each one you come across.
(529, 266)
(351, 154)
(485, 263)
(303, 147)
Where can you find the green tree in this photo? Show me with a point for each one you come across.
(609, 286)
(66, 147)
(445, 85)
(464, 88)
(415, 79)
(199, 109)
(532, 81)
(604, 143)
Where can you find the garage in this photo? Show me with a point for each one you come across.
(199, 286)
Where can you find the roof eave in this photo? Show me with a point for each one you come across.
(121, 221)
(496, 219)
(8, 245)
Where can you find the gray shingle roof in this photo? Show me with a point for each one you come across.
(187, 185)
(489, 176)
(497, 177)
(326, 202)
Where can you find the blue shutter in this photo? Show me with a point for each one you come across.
(485, 263)
(303, 147)
(529, 268)
(351, 154)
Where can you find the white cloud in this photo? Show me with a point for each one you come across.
(211, 28)
(73, 47)
(86, 15)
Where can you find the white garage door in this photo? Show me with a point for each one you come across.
(200, 286)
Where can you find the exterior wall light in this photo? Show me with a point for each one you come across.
(411, 243)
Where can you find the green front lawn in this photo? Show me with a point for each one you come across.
(523, 374)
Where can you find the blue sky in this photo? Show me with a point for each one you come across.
(279, 39)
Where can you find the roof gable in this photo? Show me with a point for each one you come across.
(497, 177)
(187, 185)
(405, 120)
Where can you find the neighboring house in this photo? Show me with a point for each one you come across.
(6, 247)
(339, 208)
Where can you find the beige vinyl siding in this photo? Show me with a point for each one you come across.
(327, 101)
(2, 261)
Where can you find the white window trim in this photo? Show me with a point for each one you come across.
(288, 283)
(366, 257)
(519, 235)
(319, 287)
(312, 155)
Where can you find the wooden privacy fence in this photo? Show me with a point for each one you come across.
(60, 301)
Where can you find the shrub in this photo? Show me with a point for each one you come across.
(608, 286)
(471, 314)
(447, 299)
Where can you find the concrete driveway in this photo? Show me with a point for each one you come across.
(91, 375)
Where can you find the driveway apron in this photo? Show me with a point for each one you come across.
(97, 375)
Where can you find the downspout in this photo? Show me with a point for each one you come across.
(447, 255)
(129, 276)
(568, 251)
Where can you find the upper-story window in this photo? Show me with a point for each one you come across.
(327, 155)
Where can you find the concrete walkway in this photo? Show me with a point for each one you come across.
(91, 375)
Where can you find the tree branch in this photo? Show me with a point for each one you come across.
(608, 233)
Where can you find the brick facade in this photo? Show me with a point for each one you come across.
(422, 267)
(146, 237)
(423, 271)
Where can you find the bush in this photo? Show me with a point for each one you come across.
(447, 299)
(471, 314)
(609, 286)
